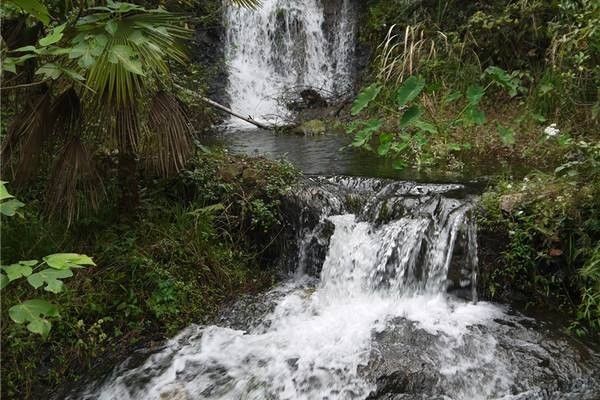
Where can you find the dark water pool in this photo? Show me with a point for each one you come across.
(329, 155)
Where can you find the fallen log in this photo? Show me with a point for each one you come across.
(229, 111)
(248, 119)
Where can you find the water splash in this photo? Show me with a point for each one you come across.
(282, 45)
(379, 311)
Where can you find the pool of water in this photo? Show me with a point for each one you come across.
(329, 155)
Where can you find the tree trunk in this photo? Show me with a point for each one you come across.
(127, 132)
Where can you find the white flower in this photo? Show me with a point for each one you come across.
(551, 131)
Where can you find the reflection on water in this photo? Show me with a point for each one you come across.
(328, 155)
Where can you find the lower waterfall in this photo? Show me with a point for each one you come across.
(370, 319)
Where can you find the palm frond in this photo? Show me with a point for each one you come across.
(74, 184)
(22, 146)
(127, 128)
(172, 130)
(135, 52)
(68, 113)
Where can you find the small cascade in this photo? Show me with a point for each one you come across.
(287, 45)
(365, 314)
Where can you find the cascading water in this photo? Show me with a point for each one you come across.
(379, 323)
(286, 44)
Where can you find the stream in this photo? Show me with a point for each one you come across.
(378, 299)
(379, 303)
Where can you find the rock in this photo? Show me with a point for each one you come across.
(178, 393)
(508, 202)
(250, 175)
(312, 98)
(311, 128)
(230, 172)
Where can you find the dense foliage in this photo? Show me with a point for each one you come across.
(98, 140)
(198, 240)
(506, 83)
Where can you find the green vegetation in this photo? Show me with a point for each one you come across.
(35, 312)
(97, 134)
(97, 139)
(198, 240)
(510, 83)
(545, 230)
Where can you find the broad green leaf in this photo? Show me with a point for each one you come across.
(363, 136)
(420, 139)
(474, 94)
(49, 71)
(409, 90)
(25, 49)
(33, 7)
(425, 126)
(121, 7)
(54, 36)
(454, 146)
(51, 278)
(74, 75)
(10, 207)
(474, 115)
(3, 281)
(125, 56)
(34, 312)
(384, 149)
(507, 135)
(410, 116)
(54, 71)
(68, 260)
(546, 88)
(385, 138)
(111, 27)
(399, 147)
(9, 65)
(19, 270)
(4, 192)
(504, 79)
(399, 164)
(88, 48)
(365, 97)
(452, 97)
(56, 51)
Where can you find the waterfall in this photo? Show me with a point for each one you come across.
(373, 322)
(285, 45)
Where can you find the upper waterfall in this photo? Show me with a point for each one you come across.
(283, 45)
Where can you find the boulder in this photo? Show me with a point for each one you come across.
(313, 127)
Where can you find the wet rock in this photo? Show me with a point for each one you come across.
(312, 98)
(178, 393)
(313, 127)
(398, 366)
(405, 363)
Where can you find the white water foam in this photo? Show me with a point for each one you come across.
(315, 342)
(282, 45)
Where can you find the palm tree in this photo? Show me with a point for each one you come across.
(110, 66)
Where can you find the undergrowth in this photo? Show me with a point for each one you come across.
(198, 240)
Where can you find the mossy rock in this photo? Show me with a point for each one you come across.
(313, 127)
